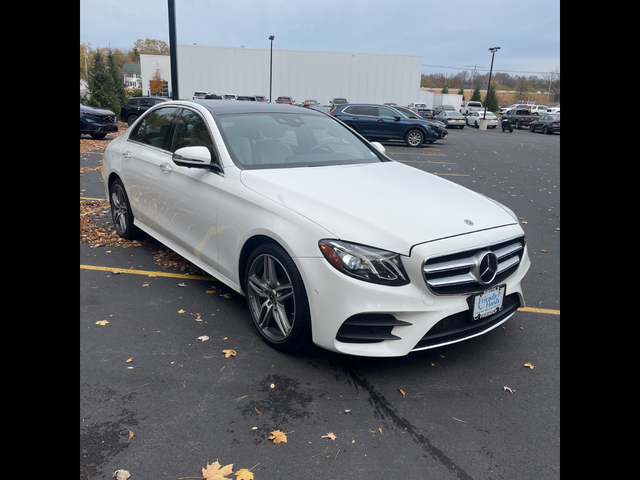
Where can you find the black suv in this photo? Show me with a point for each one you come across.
(136, 106)
(380, 122)
(97, 122)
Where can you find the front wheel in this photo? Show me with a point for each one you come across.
(277, 299)
(414, 138)
(121, 212)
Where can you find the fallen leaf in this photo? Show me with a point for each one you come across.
(121, 475)
(203, 338)
(244, 474)
(278, 437)
(182, 285)
(380, 430)
(528, 364)
(210, 292)
(130, 435)
(273, 385)
(402, 392)
(225, 295)
(508, 389)
(544, 251)
(329, 435)
(180, 311)
(102, 322)
(129, 360)
(215, 472)
(228, 353)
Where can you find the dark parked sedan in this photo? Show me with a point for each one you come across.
(547, 123)
(379, 122)
(136, 106)
(97, 122)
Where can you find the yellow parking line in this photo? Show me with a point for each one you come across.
(147, 273)
(539, 310)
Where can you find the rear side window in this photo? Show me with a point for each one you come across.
(154, 128)
(362, 110)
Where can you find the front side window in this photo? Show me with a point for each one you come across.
(386, 112)
(191, 131)
(154, 128)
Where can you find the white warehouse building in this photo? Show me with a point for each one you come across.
(321, 76)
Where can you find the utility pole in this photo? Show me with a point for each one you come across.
(493, 51)
(173, 46)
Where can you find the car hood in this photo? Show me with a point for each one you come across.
(96, 111)
(385, 205)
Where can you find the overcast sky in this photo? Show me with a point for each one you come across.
(450, 35)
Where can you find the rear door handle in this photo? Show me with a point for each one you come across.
(165, 167)
(126, 155)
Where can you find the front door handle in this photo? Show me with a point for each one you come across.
(126, 155)
(165, 167)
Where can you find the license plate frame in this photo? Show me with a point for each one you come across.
(488, 303)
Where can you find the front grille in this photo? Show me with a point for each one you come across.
(457, 273)
(108, 119)
(460, 325)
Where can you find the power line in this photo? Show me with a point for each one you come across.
(480, 69)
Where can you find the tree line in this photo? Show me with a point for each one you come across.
(549, 82)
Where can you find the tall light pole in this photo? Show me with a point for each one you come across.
(493, 51)
(272, 38)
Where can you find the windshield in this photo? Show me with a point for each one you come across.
(285, 140)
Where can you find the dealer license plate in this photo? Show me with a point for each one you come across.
(488, 302)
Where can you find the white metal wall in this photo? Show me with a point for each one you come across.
(321, 76)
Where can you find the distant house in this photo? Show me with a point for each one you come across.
(132, 77)
(84, 88)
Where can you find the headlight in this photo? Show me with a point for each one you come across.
(365, 263)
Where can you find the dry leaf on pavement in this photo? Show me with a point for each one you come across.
(244, 474)
(229, 353)
(330, 435)
(215, 472)
(278, 437)
(529, 364)
(203, 338)
(121, 475)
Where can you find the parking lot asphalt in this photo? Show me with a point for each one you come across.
(158, 401)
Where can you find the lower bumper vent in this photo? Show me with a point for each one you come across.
(369, 328)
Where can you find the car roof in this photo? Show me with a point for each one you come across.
(226, 107)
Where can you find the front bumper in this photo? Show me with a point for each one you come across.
(410, 317)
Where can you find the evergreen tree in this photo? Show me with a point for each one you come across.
(492, 100)
(118, 83)
(461, 92)
(445, 89)
(101, 85)
(476, 94)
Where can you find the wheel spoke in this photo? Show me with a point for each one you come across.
(281, 319)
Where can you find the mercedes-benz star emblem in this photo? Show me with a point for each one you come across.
(488, 267)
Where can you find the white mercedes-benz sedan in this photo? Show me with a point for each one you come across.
(329, 239)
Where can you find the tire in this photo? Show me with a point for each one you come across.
(121, 212)
(98, 136)
(545, 130)
(131, 119)
(518, 125)
(277, 299)
(414, 138)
